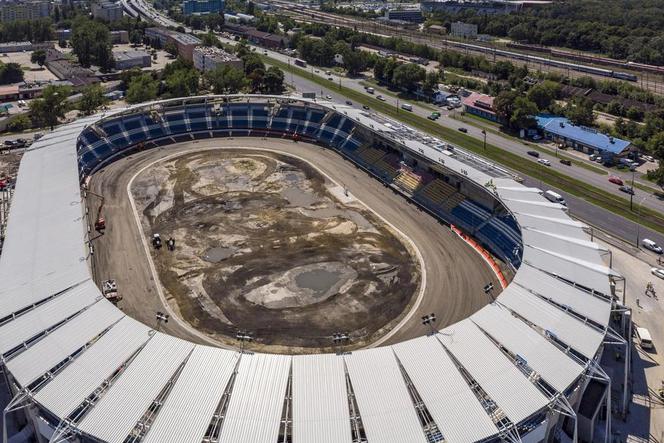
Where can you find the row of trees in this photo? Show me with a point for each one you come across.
(627, 30)
(36, 31)
(91, 42)
(10, 73)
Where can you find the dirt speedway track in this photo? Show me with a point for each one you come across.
(454, 273)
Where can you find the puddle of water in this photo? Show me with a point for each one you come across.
(318, 280)
(217, 254)
(298, 197)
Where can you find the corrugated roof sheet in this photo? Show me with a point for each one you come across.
(387, 411)
(85, 374)
(493, 371)
(46, 315)
(188, 409)
(581, 249)
(588, 305)
(562, 226)
(115, 415)
(453, 406)
(318, 377)
(556, 368)
(257, 401)
(59, 344)
(564, 326)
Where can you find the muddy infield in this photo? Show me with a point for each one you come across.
(266, 244)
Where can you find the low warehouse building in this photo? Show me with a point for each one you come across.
(132, 59)
(581, 138)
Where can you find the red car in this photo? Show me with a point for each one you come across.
(616, 180)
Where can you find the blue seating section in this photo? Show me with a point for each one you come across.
(183, 123)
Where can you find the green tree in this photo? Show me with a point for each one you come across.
(171, 48)
(91, 42)
(142, 88)
(136, 37)
(209, 39)
(408, 76)
(273, 82)
(580, 112)
(225, 79)
(19, 123)
(504, 105)
(182, 83)
(38, 57)
(51, 107)
(523, 114)
(92, 99)
(543, 94)
(355, 62)
(251, 62)
(10, 73)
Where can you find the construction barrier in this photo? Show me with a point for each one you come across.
(484, 253)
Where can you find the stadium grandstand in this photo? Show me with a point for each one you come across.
(80, 370)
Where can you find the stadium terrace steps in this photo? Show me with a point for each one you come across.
(371, 155)
(454, 201)
(387, 169)
(409, 181)
(438, 191)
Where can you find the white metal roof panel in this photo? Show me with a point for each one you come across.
(257, 400)
(581, 249)
(588, 305)
(556, 368)
(494, 372)
(317, 377)
(62, 342)
(188, 409)
(563, 226)
(387, 411)
(452, 404)
(589, 274)
(85, 374)
(115, 415)
(46, 315)
(44, 252)
(544, 208)
(564, 326)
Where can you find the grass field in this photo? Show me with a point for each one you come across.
(614, 203)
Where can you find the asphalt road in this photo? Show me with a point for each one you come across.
(451, 292)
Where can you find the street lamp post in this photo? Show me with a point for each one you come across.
(631, 194)
(243, 336)
(488, 289)
(429, 320)
(484, 134)
(638, 221)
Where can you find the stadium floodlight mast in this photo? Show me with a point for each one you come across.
(429, 320)
(161, 318)
(243, 337)
(339, 338)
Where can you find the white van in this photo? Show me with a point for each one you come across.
(649, 244)
(555, 197)
(645, 341)
(407, 107)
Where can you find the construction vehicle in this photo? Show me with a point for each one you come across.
(156, 241)
(110, 290)
(100, 224)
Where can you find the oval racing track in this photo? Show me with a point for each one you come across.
(82, 370)
(450, 292)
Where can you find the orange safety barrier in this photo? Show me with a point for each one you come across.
(484, 253)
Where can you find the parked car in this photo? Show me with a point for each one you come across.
(657, 272)
(533, 153)
(464, 130)
(616, 180)
(536, 137)
(649, 244)
(566, 162)
(328, 96)
(627, 190)
(544, 162)
(349, 103)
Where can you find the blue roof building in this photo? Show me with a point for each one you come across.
(581, 138)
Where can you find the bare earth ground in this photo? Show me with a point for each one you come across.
(262, 245)
(455, 274)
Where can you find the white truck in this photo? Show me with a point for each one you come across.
(554, 197)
